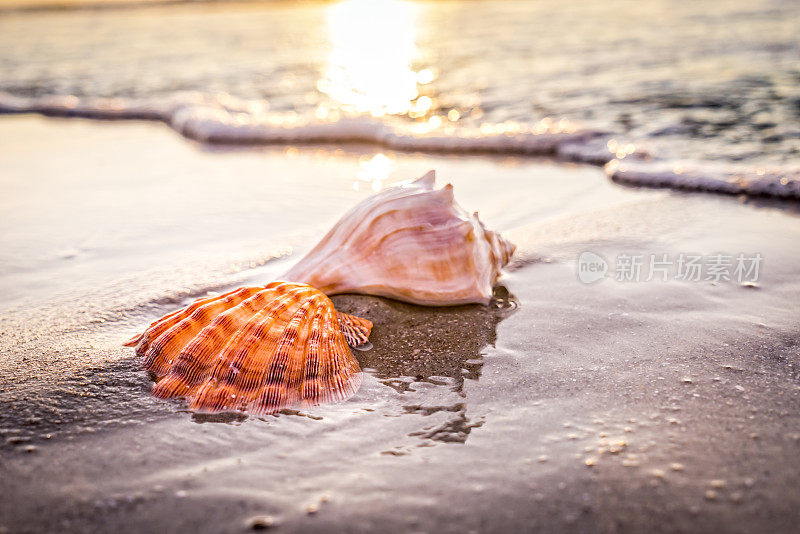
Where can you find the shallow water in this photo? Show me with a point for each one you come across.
(696, 95)
(590, 408)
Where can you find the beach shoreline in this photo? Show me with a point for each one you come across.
(210, 121)
(602, 407)
(722, 119)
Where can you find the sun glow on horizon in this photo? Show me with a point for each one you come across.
(373, 47)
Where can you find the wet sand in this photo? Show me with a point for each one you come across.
(666, 406)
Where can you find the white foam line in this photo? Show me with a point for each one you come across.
(236, 122)
(753, 182)
(223, 119)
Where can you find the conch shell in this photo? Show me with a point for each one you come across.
(255, 349)
(412, 243)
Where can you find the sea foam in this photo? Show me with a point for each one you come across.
(226, 120)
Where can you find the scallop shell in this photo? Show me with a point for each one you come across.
(413, 243)
(255, 349)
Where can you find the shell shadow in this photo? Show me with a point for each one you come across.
(443, 346)
(228, 418)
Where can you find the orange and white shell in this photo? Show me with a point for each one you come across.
(412, 243)
(255, 349)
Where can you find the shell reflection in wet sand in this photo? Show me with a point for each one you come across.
(404, 357)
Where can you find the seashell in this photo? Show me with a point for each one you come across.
(261, 349)
(255, 349)
(411, 242)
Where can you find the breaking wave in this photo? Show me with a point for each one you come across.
(226, 120)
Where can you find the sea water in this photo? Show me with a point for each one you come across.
(692, 94)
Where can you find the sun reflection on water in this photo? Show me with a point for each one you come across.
(374, 171)
(373, 48)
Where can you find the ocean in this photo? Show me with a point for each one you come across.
(698, 95)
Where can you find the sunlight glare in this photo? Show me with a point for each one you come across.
(372, 49)
(375, 170)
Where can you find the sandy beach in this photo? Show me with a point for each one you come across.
(563, 407)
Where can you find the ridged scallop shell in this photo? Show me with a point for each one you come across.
(413, 243)
(255, 349)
